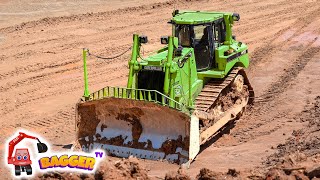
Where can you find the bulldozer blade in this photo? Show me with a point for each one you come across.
(142, 129)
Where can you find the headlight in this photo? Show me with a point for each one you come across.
(143, 39)
(164, 39)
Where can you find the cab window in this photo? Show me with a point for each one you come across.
(183, 33)
(201, 35)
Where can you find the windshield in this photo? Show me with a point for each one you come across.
(183, 32)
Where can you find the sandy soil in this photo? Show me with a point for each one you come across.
(19, 11)
(41, 70)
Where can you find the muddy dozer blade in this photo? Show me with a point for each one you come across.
(142, 129)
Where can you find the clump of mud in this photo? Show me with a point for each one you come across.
(179, 175)
(131, 168)
(205, 174)
(122, 169)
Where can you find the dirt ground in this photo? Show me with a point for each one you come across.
(41, 75)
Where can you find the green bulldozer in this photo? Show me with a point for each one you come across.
(177, 98)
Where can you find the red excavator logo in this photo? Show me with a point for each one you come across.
(21, 159)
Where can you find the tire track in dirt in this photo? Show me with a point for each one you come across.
(255, 118)
(29, 97)
(38, 67)
(303, 58)
(88, 16)
(269, 48)
(269, 98)
(41, 77)
(284, 82)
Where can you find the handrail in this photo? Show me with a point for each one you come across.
(135, 94)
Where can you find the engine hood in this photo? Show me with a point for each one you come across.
(160, 57)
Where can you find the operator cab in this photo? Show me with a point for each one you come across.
(203, 39)
(204, 32)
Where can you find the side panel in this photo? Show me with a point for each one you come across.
(186, 73)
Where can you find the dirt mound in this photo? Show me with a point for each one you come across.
(281, 174)
(206, 174)
(131, 168)
(304, 144)
(122, 169)
(179, 175)
(293, 173)
(299, 156)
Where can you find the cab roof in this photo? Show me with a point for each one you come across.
(196, 17)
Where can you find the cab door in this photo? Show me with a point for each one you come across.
(203, 46)
(200, 38)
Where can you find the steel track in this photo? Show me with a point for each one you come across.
(215, 89)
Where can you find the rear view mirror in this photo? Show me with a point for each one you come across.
(236, 16)
(164, 39)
